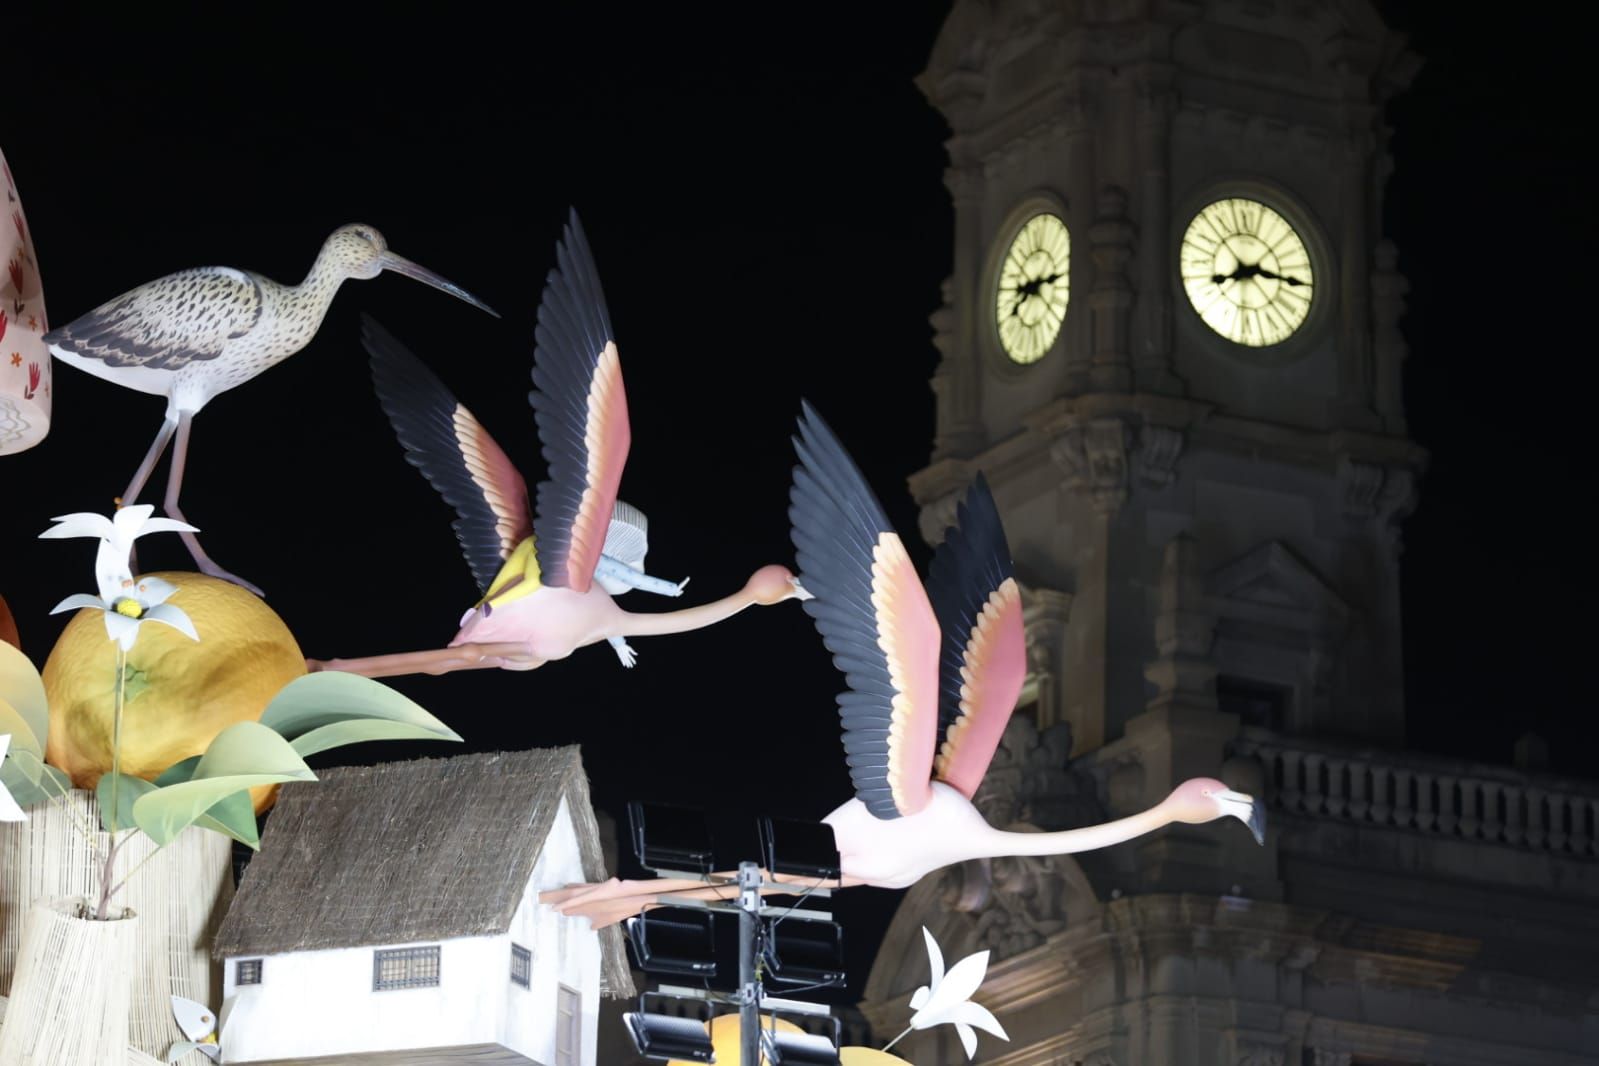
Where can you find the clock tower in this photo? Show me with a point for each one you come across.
(1170, 341)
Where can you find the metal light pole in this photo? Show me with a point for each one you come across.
(749, 991)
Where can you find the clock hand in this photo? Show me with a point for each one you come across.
(1244, 271)
(1263, 272)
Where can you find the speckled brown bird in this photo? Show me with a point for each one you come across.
(197, 333)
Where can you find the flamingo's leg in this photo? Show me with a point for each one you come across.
(638, 579)
(617, 889)
(505, 655)
(180, 455)
(624, 650)
(604, 912)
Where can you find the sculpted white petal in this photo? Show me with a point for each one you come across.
(153, 590)
(9, 811)
(935, 957)
(78, 600)
(122, 629)
(968, 1039)
(128, 521)
(957, 987)
(79, 524)
(976, 1014)
(167, 614)
(167, 525)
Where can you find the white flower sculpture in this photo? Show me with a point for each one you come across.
(127, 602)
(9, 811)
(948, 998)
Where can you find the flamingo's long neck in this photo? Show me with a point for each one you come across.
(1088, 838)
(706, 614)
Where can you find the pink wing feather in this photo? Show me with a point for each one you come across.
(983, 662)
(580, 406)
(873, 615)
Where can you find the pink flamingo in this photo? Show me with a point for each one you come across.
(933, 676)
(541, 603)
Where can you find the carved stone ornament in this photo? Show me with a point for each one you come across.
(1361, 483)
(1158, 449)
(1094, 457)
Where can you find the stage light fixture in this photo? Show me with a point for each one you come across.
(667, 838)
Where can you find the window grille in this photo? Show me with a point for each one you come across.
(394, 968)
(247, 972)
(521, 966)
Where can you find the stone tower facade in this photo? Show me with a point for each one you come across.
(1200, 453)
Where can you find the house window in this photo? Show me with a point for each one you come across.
(247, 972)
(568, 1027)
(405, 968)
(521, 966)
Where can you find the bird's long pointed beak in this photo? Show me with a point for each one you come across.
(1246, 809)
(401, 265)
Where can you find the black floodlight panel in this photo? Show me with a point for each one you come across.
(686, 942)
(661, 1036)
(799, 1049)
(801, 951)
(799, 849)
(670, 838)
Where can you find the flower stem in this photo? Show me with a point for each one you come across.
(898, 1038)
(106, 885)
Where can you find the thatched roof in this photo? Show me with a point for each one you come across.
(411, 851)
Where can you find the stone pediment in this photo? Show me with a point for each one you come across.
(1272, 580)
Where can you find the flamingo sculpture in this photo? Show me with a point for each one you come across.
(197, 333)
(933, 676)
(541, 603)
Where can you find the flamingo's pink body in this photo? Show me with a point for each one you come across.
(551, 623)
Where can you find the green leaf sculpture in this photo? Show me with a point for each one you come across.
(330, 709)
(232, 817)
(242, 756)
(25, 715)
(128, 788)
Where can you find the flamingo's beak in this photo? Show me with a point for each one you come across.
(1246, 809)
(401, 265)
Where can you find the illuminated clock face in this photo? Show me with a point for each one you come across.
(1030, 302)
(1247, 273)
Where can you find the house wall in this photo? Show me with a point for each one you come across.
(321, 1003)
(571, 958)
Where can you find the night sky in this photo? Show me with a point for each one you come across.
(765, 204)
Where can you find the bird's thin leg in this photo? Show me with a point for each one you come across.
(602, 912)
(152, 457)
(504, 655)
(638, 579)
(180, 454)
(142, 475)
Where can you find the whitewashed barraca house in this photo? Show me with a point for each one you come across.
(392, 916)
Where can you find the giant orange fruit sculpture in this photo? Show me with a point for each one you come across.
(178, 694)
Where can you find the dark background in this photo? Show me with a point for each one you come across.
(764, 199)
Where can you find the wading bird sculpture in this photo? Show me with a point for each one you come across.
(548, 580)
(195, 334)
(933, 676)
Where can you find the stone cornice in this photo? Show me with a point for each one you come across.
(1200, 423)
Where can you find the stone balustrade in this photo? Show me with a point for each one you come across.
(1492, 804)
